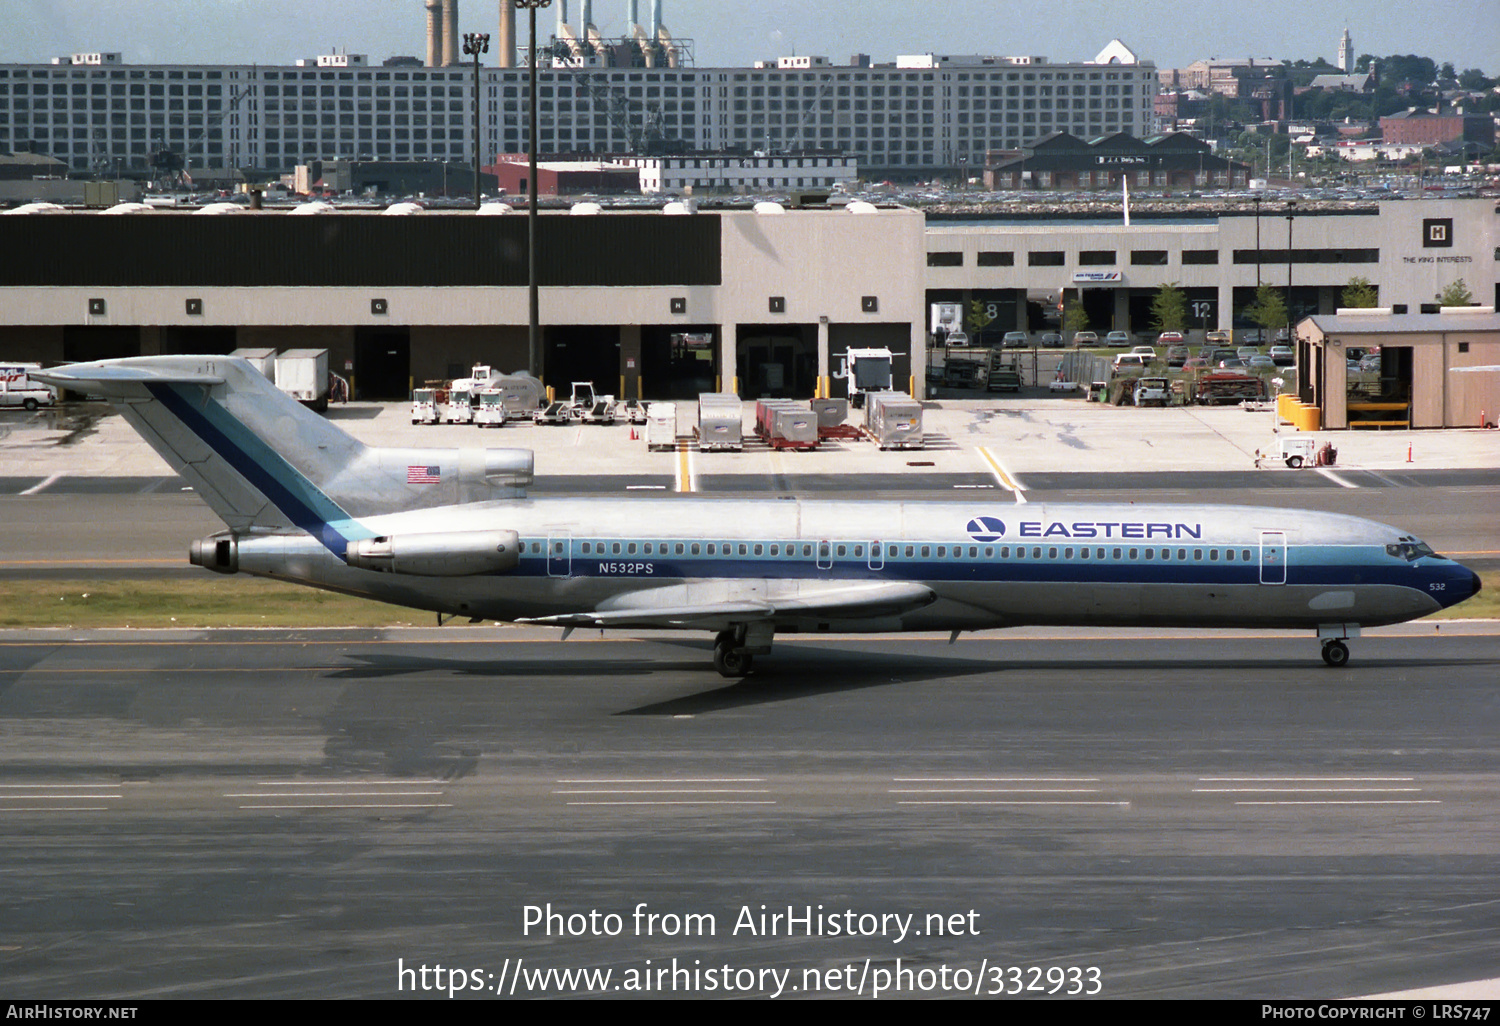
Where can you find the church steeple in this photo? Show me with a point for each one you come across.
(1346, 54)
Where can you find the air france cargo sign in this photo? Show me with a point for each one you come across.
(989, 529)
(1096, 276)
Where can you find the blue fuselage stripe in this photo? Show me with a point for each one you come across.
(260, 465)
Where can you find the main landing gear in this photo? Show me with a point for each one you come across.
(735, 649)
(1335, 653)
(730, 660)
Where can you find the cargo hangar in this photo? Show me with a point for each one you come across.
(759, 300)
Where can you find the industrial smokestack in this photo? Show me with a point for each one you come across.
(562, 17)
(655, 19)
(450, 33)
(585, 17)
(434, 33)
(632, 16)
(506, 50)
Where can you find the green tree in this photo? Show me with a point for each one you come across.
(1169, 308)
(1076, 318)
(978, 318)
(1456, 294)
(1359, 293)
(1269, 308)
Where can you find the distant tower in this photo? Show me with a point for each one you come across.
(434, 33)
(1346, 54)
(507, 37)
(451, 53)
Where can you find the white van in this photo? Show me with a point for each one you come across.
(17, 388)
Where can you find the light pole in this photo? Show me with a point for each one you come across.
(1291, 212)
(533, 343)
(476, 43)
(1257, 243)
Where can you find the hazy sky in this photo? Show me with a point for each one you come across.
(736, 32)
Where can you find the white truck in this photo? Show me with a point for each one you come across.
(867, 371)
(17, 388)
(303, 375)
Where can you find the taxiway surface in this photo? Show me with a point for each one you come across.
(267, 813)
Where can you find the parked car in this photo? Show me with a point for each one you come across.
(1085, 338)
(1052, 340)
(1197, 363)
(1253, 337)
(1149, 352)
(1131, 363)
(1233, 363)
(1177, 356)
(1014, 340)
(1170, 338)
(1245, 352)
(1117, 338)
(1220, 338)
(1260, 361)
(1283, 356)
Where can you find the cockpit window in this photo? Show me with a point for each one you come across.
(1409, 550)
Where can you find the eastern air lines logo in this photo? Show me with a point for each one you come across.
(986, 529)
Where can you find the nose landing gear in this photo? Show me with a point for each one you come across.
(1335, 653)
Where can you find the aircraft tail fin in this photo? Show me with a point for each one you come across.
(263, 461)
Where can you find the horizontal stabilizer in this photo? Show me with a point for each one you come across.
(116, 379)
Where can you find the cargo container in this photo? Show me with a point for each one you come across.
(894, 420)
(661, 426)
(720, 415)
(786, 424)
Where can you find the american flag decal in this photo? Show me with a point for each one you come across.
(424, 475)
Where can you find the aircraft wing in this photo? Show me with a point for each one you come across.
(709, 604)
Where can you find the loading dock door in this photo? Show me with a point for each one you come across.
(382, 363)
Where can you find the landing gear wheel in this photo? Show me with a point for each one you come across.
(732, 662)
(728, 660)
(1335, 653)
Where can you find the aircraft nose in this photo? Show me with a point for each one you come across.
(1474, 579)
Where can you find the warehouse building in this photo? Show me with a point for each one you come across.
(642, 303)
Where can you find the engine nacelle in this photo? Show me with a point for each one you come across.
(446, 554)
(218, 552)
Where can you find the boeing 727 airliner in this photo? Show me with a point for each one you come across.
(452, 531)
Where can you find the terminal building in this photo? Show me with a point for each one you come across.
(760, 301)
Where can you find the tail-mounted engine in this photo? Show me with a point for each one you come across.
(448, 554)
(218, 552)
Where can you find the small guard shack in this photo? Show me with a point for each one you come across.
(1378, 368)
